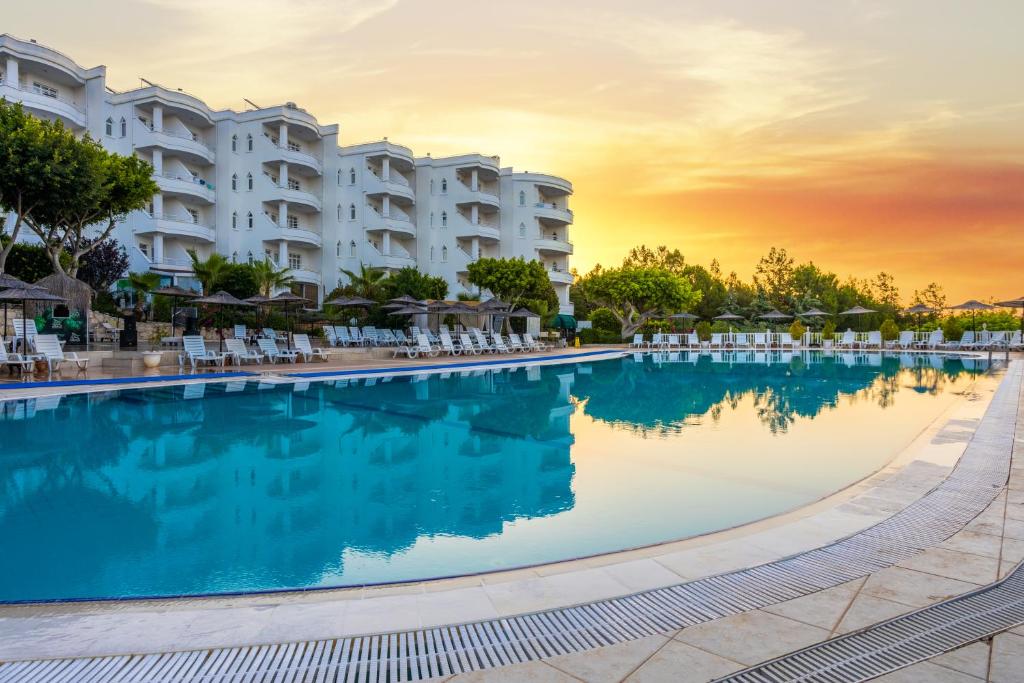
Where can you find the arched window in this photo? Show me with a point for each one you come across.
(339, 177)
(522, 230)
(234, 143)
(352, 248)
(444, 185)
(234, 182)
(431, 253)
(351, 212)
(248, 142)
(444, 254)
(124, 128)
(339, 212)
(431, 219)
(234, 221)
(337, 249)
(250, 259)
(234, 257)
(352, 176)
(249, 220)
(522, 198)
(248, 181)
(431, 186)
(110, 126)
(444, 219)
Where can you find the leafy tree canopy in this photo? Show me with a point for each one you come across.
(514, 280)
(637, 294)
(411, 282)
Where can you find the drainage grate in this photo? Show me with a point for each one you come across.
(417, 655)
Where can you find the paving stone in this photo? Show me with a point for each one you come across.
(822, 609)
(611, 663)
(971, 660)
(529, 672)
(926, 672)
(973, 542)
(1007, 659)
(751, 637)
(913, 588)
(678, 661)
(867, 610)
(951, 564)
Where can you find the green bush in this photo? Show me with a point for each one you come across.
(796, 330)
(595, 336)
(890, 330)
(719, 327)
(703, 330)
(952, 330)
(828, 331)
(603, 319)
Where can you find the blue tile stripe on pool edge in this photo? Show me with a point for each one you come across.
(123, 380)
(446, 366)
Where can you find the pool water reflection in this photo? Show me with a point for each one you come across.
(246, 486)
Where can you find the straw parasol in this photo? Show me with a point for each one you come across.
(1015, 303)
(404, 299)
(74, 292)
(919, 310)
(286, 299)
(492, 305)
(973, 306)
(6, 282)
(813, 313)
(349, 301)
(257, 300)
(775, 315)
(857, 310)
(523, 313)
(175, 293)
(684, 316)
(221, 299)
(24, 295)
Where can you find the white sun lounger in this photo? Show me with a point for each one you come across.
(196, 352)
(238, 351)
(16, 360)
(448, 346)
(268, 347)
(48, 346)
(307, 350)
(535, 345)
(638, 342)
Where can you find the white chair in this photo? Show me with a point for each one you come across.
(849, 340)
(239, 353)
(499, 344)
(24, 333)
(760, 340)
(424, 346)
(241, 332)
(717, 341)
(330, 336)
(468, 346)
(934, 340)
(741, 340)
(905, 341)
(786, 340)
(998, 339)
(693, 341)
(341, 333)
(874, 340)
(638, 342)
(307, 350)
(268, 347)
(1015, 341)
(516, 344)
(535, 345)
(481, 341)
(17, 361)
(48, 346)
(448, 346)
(196, 352)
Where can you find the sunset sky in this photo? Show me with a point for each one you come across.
(863, 135)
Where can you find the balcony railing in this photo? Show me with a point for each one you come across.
(37, 91)
(188, 178)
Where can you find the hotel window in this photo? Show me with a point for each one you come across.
(234, 257)
(522, 230)
(110, 127)
(337, 249)
(431, 219)
(248, 181)
(339, 212)
(144, 248)
(293, 222)
(43, 89)
(250, 259)
(351, 212)
(234, 143)
(444, 254)
(431, 186)
(522, 198)
(352, 248)
(431, 253)
(249, 220)
(248, 143)
(444, 186)
(444, 219)
(124, 128)
(339, 177)
(234, 182)
(294, 184)
(234, 221)
(193, 214)
(267, 256)
(352, 176)
(295, 261)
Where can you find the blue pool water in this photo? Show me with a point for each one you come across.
(243, 486)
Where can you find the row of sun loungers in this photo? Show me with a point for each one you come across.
(847, 340)
(266, 350)
(473, 342)
(45, 347)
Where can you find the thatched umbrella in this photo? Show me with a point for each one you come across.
(6, 282)
(175, 293)
(728, 316)
(973, 306)
(24, 295)
(857, 310)
(286, 299)
(344, 301)
(919, 310)
(775, 315)
(221, 299)
(74, 292)
(405, 299)
(1015, 303)
(684, 316)
(813, 313)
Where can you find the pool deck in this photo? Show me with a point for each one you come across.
(982, 550)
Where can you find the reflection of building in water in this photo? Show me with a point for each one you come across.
(274, 485)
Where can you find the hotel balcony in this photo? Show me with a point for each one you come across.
(396, 259)
(181, 225)
(396, 221)
(560, 277)
(551, 214)
(305, 275)
(486, 198)
(396, 186)
(45, 104)
(302, 162)
(554, 246)
(466, 229)
(298, 236)
(184, 143)
(301, 200)
(548, 185)
(181, 184)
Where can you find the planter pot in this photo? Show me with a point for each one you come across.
(151, 359)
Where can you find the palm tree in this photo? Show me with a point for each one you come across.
(209, 272)
(142, 284)
(269, 278)
(367, 282)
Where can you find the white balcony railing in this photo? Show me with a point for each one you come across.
(53, 95)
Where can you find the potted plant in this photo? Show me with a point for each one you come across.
(152, 357)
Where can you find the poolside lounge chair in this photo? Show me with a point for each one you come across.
(196, 352)
(717, 341)
(239, 353)
(330, 336)
(241, 332)
(760, 340)
(107, 332)
(516, 344)
(1014, 341)
(741, 340)
(448, 346)
(424, 346)
(273, 335)
(499, 344)
(481, 341)
(638, 342)
(16, 361)
(967, 341)
(268, 347)
(48, 346)
(786, 341)
(535, 345)
(874, 340)
(467, 345)
(934, 340)
(998, 340)
(905, 341)
(26, 334)
(848, 340)
(307, 350)
(672, 341)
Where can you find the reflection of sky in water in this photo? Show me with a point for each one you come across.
(237, 487)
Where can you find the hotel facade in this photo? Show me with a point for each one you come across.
(272, 182)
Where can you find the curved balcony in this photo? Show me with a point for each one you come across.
(560, 277)
(179, 184)
(304, 275)
(553, 246)
(44, 106)
(303, 201)
(395, 222)
(397, 261)
(181, 226)
(487, 233)
(303, 162)
(485, 199)
(375, 185)
(549, 184)
(186, 145)
(551, 213)
(297, 236)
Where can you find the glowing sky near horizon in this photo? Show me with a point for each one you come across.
(863, 135)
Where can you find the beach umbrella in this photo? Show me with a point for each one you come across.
(350, 301)
(857, 310)
(492, 305)
(259, 301)
(728, 316)
(409, 310)
(775, 315)
(404, 299)
(1015, 303)
(286, 299)
(973, 306)
(523, 313)
(221, 299)
(24, 295)
(175, 293)
(394, 306)
(814, 313)
(684, 316)
(6, 282)
(919, 310)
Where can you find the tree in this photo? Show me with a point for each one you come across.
(28, 262)
(773, 278)
(886, 292)
(513, 280)
(239, 280)
(209, 271)
(269, 278)
(931, 296)
(643, 257)
(367, 282)
(92, 190)
(142, 284)
(411, 282)
(30, 158)
(636, 295)
(103, 265)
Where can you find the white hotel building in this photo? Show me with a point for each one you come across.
(274, 182)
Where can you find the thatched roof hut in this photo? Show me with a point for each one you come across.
(74, 322)
(77, 294)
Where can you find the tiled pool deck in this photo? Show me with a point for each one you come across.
(983, 550)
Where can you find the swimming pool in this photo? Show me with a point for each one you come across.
(247, 486)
